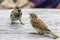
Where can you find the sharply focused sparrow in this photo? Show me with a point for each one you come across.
(16, 14)
(40, 26)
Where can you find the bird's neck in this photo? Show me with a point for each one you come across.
(16, 10)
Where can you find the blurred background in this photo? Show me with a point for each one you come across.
(10, 4)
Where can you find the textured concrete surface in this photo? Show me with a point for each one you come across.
(22, 32)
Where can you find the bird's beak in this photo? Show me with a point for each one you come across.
(29, 16)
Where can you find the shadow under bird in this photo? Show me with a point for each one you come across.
(40, 26)
(16, 14)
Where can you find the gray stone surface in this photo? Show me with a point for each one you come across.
(22, 32)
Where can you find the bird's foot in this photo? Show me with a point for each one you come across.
(33, 33)
(12, 23)
(41, 33)
(22, 23)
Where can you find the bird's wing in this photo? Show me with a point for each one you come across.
(41, 25)
(20, 13)
(13, 13)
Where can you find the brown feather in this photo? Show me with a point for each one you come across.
(39, 24)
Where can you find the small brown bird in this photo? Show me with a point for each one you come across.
(16, 14)
(40, 26)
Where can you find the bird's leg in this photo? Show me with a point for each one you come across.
(41, 33)
(12, 22)
(21, 21)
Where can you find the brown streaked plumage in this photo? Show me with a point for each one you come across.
(40, 26)
(16, 14)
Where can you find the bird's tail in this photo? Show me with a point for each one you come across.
(54, 35)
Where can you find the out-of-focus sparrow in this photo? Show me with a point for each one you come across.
(16, 14)
(7, 4)
(40, 26)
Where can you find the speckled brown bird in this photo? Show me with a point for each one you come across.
(40, 26)
(16, 14)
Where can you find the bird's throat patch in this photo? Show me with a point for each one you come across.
(17, 14)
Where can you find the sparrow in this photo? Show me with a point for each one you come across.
(16, 14)
(40, 26)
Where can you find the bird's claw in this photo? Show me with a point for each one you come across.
(41, 33)
(12, 23)
(22, 23)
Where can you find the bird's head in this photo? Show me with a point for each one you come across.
(18, 8)
(33, 16)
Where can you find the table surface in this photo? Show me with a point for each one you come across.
(22, 32)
